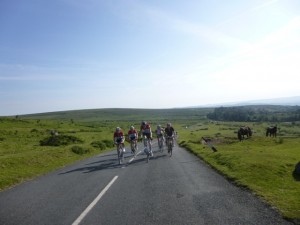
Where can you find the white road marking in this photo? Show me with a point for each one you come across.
(89, 208)
(138, 152)
(134, 157)
(131, 160)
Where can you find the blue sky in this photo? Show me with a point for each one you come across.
(82, 54)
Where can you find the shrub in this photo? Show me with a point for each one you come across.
(182, 143)
(99, 144)
(79, 150)
(108, 143)
(34, 130)
(60, 140)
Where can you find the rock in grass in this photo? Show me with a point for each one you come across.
(297, 169)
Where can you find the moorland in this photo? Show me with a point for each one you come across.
(32, 145)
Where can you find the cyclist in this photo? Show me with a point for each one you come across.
(132, 136)
(170, 132)
(145, 130)
(159, 132)
(119, 137)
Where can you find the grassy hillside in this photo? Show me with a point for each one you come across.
(262, 164)
(94, 115)
(28, 149)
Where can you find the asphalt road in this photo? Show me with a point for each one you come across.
(168, 190)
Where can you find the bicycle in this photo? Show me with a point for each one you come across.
(120, 152)
(170, 145)
(147, 147)
(160, 140)
(134, 147)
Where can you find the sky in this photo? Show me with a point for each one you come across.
(85, 54)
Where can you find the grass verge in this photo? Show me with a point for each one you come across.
(264, 165)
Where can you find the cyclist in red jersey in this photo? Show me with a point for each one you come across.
(146, 130)
(119, 137)
(133, 135)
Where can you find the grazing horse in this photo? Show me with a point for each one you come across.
(244, 131)
(271, 131)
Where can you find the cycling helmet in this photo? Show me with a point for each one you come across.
(131, 127)
(144, 123)
(158, 126)
(118, 129)
(168, 124)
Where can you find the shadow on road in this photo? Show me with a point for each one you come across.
(106, 155)
(113, 163)
(143, 159)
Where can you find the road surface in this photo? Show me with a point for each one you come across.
(168, 190)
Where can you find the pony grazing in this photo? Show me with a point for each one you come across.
(244, 131)
(271, 131)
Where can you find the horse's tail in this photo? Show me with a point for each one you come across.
(267, 132)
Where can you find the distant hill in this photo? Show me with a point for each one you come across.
(193, 112)
(124, 114)
(287, 101)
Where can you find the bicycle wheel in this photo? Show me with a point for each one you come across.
(160, 143)
(132, 147)
(149, 144)
(170, 146)
(120, 154)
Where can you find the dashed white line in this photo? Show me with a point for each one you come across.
(89, 208)
(134, 157)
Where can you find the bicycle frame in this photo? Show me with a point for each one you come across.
(147, 144)
(170, 144)
(133, 145)
(160, 141)
(120, 153)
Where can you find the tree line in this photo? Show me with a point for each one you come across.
(256, 114)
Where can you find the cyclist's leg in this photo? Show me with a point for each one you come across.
(118, 149)
(150, 142)
(159, 143)
(169, 144)
(132, 146)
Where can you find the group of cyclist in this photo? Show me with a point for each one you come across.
(145, 132)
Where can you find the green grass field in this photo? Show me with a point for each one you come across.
(261, 164)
